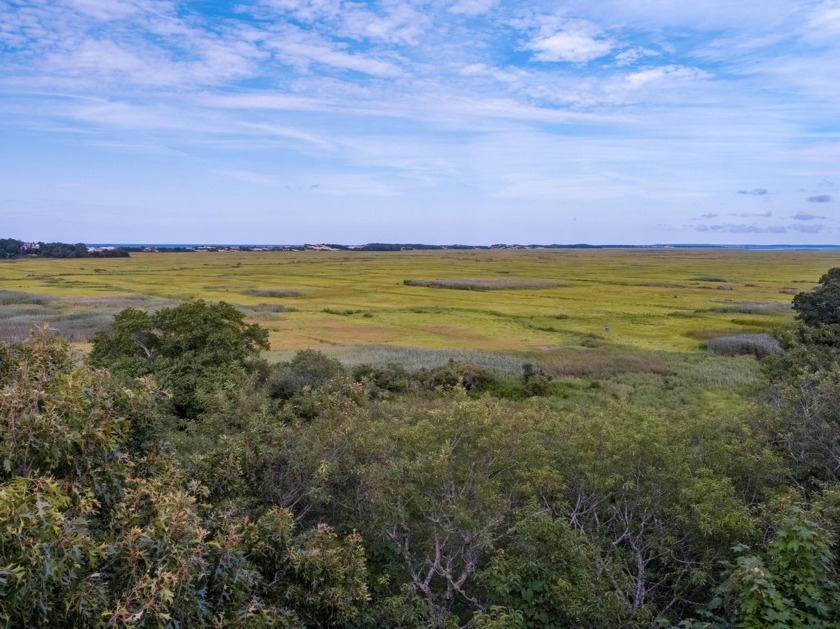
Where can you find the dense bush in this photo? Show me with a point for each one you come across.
(190, 349)
(820, 306)
(308, 368)
(473, 378)
(98, 525)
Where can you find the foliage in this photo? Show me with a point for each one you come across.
(392, 378)
(308, 368)
(792, 585)
(188, 348)
(820, 306)
(472, 378)
(606, 490)
(12, 248)
(549, 577)
(802, 398)
(99, 527)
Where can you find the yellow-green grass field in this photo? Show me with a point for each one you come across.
(529, 300)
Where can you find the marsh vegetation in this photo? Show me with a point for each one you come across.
(620, 452)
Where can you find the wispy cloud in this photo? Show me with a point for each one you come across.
(472, 7)
(808, 229)
(576, 41)
(806, 216)
(731, 228)
(539, 110)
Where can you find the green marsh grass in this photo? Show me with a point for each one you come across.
(640, 299)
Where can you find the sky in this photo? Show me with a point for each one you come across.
(440, 121)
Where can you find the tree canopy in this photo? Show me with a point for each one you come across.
(187, 348)
(820, 306)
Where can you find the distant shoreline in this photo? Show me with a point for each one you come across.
(141, 247)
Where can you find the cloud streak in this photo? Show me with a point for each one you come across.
(459, 111)
(806, 216)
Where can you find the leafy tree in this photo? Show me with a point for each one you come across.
(792, 585)
(10, 248)
(433, 484)
(189, 349)
(820, 306)
(308, 368)
(657, 494)
(801, 411)
(94, 534)
(549, 576)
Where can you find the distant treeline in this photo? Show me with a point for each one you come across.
(12, 248)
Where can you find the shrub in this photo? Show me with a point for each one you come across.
(535, 382)
(472, 378)
(822, 305)
(393, 378)
(190, 348)
(308, 368)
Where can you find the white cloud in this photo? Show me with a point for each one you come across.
(575, 44)
(105, 9)
(757, 214)
(633, 55)
(665, 73)
(806, 216)
(808, 229)
(472, 7)
(731, 228)
(301, 49)
(825, 20)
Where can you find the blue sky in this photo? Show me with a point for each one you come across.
(443, 121)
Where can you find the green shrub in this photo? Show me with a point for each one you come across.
(472, 378)
(393, 378)
(308, 368)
